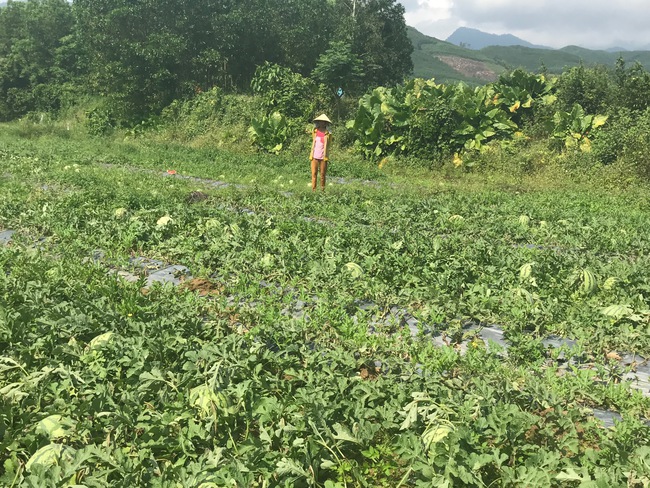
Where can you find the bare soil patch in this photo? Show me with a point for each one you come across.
(470, 68)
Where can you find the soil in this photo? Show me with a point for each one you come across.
(202, 286)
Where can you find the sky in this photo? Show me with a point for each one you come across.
(592, 24)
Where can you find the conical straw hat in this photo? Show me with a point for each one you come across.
(324, 118)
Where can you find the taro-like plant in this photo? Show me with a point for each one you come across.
(269, 132)
(378, 121)
(478, 119)
(575, 127)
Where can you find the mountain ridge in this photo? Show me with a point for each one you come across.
(476, 39)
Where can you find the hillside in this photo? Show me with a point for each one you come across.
(448, 63)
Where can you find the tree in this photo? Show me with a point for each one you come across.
(141, 54)
(339, 67)
(37, 62)
(376, 30)
(145, 54)
(591, 88)
(633, 86)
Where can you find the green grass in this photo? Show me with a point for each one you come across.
(161, 387)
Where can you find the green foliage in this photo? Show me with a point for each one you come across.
(99, 121)
(379, 112)
(38, 69)
(575, 127)
(106, 382)
(377, 33)
(520, 89)
(591, 88)
(633, 90)
(432, 123)
(424, 118)
(211, 118)
(197, 115)
(143, 56)
(287, 92)
(339, 67)
(479, 118)
(625, 138)
(269, 132)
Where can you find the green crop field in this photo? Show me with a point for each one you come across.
(466, 304)
(177, 317)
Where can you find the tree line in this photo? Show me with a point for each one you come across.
(143, 54)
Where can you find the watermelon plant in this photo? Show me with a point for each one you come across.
(379, 334)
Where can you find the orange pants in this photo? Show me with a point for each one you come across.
(315, 163)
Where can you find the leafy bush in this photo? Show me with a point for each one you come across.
(99, 121)
(521, 89)
(421, 117)
(626, 138)
(479, 118)
(379, 123)
(282, 90)
(270, 132)
(197, 115)
(592, 88)
(430, 130)
(574, 127)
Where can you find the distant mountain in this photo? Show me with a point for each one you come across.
(476, 39)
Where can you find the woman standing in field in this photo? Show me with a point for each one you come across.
(319, 156)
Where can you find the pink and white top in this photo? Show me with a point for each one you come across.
(319, 145)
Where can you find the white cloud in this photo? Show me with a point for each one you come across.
(432, 17)
(433, 10)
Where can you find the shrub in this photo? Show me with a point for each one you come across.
(99, 121)
(196, 116)
(282, 90)
(270, 133)
(626, 139)
(431, 130)
(591, 88)
(638, 156)
(574, 128)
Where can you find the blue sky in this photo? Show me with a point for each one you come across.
(594, 24)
